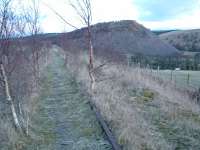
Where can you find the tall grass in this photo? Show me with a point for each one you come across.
(143, 112)
(24, 93)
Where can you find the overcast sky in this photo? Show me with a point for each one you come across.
(153, 14)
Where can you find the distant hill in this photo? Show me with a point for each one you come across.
(185, 40)
(113, 39)
(159, 32)
(123, 37)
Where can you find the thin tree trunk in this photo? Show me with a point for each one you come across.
(92, 80)
(91, 58)
(27, 125)
(90, 46)
(37, 63)
(9, 98)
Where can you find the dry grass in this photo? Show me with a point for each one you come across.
(24, 93)
(143, 112)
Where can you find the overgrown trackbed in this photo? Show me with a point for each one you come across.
(64, 119)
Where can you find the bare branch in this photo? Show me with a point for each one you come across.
(98, 67)
(61, 17)
(83, 10)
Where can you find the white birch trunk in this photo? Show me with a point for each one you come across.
(9, 98)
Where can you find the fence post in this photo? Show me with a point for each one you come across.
(198, 95)
(175, 80)
(171, 75)
(188, 78)
(128, 57)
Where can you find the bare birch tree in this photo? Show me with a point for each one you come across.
(84, 11)
(32, 17)
(7, 30)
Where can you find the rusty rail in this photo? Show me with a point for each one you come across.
(112, 140)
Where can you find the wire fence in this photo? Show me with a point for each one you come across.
(180, 78)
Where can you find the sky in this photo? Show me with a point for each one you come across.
(153, 14)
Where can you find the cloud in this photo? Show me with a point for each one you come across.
(183, 22)
(159, 10)
(154, 14)
(102, 10)
(109, 10)
(51, 22)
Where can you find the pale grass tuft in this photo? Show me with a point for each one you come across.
(139, 122)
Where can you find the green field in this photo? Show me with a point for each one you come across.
(181, 78)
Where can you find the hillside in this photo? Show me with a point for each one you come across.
(112, 39)
(188, 40)
(140, 109)
(123, 37)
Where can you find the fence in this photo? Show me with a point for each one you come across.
(180, 78)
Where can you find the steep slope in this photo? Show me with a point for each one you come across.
(188, 40)
(123, 37)
(112, 39)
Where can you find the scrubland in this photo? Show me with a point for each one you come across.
(24, 88)
(144, 112)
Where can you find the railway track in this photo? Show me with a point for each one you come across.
(64, 119)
